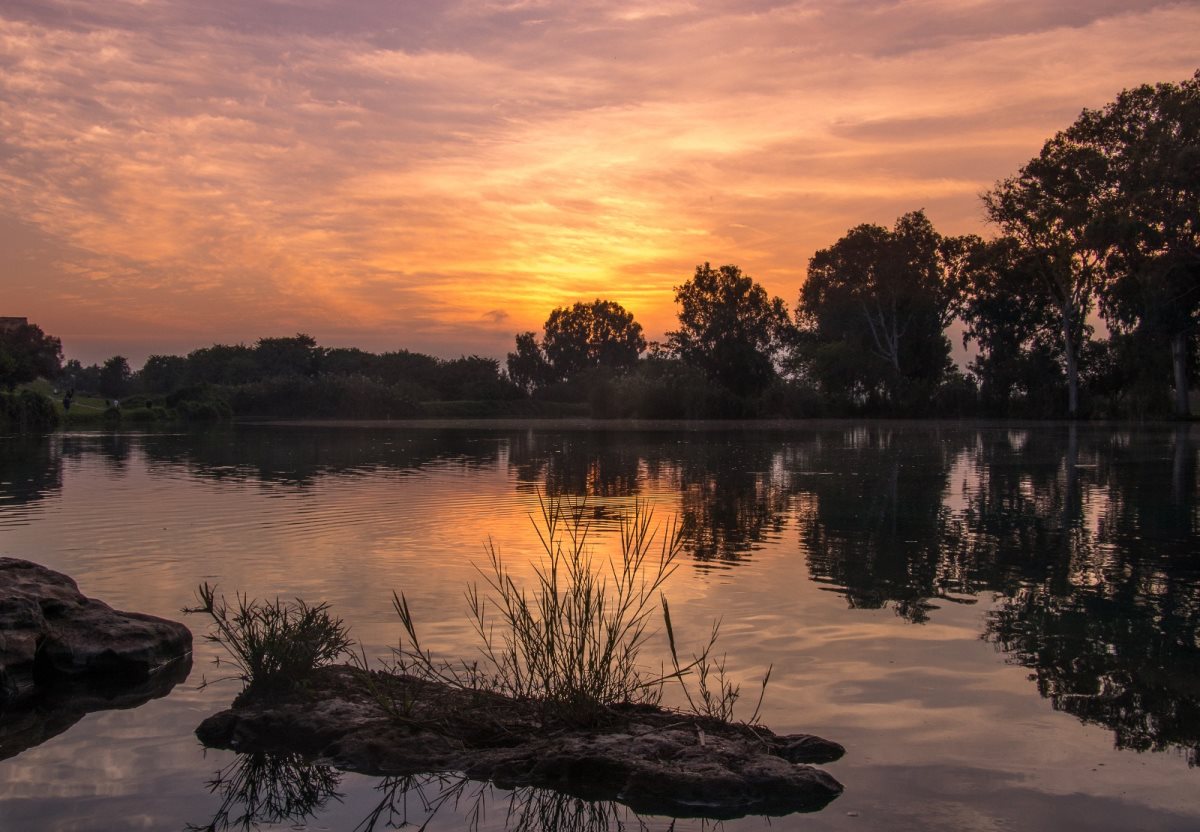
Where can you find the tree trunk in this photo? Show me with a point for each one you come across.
(1069, 348)
(1179, 356)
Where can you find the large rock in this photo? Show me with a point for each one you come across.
(652, 760)
(51, 633)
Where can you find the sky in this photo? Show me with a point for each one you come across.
(438, 176)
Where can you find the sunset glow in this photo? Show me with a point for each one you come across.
(439, 176)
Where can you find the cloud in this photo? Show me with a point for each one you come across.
(370, 170)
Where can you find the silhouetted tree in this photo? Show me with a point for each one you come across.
(1149, 213)
(27, 353)
(730, 328)
(222, 364)
(115, 377)
(882, 300)
(1007, 313)
(1051, 208)
(576, 339)
(297, 356)
(528, 367)
(163, 373)
(587, 335)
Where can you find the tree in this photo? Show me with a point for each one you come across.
(115, 377)
(1052, 209)
(1007, 312)
(587, 335)
(163, 373)
(527, 367)
(27, 353)
(1149, 206)
(882, 299)
(298, 356)
(730, 328)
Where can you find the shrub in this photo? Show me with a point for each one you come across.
(275, 645)
(27, 412)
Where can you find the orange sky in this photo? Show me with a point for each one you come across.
(389, 173)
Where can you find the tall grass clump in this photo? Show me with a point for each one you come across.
(571, 641)
(275, 645)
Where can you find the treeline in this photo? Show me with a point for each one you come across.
(1105, 222)
(294, 377)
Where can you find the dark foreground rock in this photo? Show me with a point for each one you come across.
(652, 760)
(51, 634)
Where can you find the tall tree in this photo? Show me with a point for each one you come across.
(27, 353)
(730, 328)
(1052, 209)
(1149, 203)
(1008, 314)
(886, 296)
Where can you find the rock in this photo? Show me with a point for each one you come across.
(652, 760)
(50, 633)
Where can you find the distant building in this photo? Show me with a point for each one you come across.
(7, 324)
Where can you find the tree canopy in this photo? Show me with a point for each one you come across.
(1148, 213)
(575, 339)
(874, 310)
(730, 328)
(27, 353)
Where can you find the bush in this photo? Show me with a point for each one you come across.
(27, 412)
(275, 645)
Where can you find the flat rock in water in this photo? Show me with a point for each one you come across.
(51, 633)
(652, 760)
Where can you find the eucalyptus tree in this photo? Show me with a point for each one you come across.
(1148, 224)
(1005, 312)
(1052, 209)
(882, 298)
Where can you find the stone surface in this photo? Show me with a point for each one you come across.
(50, 633)
(652, 760)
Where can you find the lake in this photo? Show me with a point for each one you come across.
(1000, 623)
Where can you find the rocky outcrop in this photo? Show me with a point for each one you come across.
(50, 633)
(652, 760)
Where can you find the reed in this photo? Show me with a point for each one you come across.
(572, 640)
(275, 645)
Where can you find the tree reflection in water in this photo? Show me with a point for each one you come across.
(267, 789)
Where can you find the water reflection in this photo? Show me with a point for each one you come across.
(1087, 536)
(31, 469)
(273, 789)
(269, 789)
(30, 722)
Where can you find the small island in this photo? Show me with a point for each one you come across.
(653, 760)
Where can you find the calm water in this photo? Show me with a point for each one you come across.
(1002, 625)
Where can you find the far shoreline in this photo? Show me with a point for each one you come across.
(698, 425)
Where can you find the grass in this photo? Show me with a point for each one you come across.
(275, 645)
(572, 641)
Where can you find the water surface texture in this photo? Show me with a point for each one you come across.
(999, 623)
